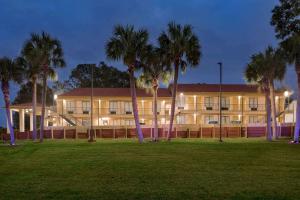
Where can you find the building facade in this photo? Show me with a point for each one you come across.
(196, 104)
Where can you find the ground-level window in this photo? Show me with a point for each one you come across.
(86, 107)
(85, 122)
(180, 119)
(253, 119)
(209, 119)
(225, 119)
(129, 122)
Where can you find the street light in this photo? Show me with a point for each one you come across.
(287, 94)
(91, 136)
(220, 103)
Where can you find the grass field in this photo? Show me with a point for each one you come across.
(122, 169)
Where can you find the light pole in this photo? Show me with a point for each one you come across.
(286, 94)
(220, 101)
(91, 138)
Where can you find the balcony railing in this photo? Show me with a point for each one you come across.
(210, 108)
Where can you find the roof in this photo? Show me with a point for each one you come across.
(203, 87)
(25, 105)
(163, 92)
(111, 92)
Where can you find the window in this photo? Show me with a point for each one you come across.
(128, 107)
(225, 120)
(253, 119)
(113, 106)
(253, 103)
(225, 103)
(158, 107)
(180, 119)
(85, 122)
(129, 122)
(86, 107)
(209, 119)
(70, 107)
(208, 103)
(181, 101)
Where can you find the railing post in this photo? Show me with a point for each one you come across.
(76, 133)
(52, 132)
(114, 132)
(201, 134)
(64, 133)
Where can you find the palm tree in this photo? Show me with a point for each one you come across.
(130, 46)
(264, 69)
(44, 54)
(255, 74)
(155, 70)
(285, 19)
(182, 48)
(9, 71)
(275, 65)
(291, 47)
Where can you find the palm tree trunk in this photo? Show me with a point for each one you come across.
(297, 125)
(174, 90)
(155, 138)
(34, 135)
(268, 108)
(5, 90)
(273, 109)
(135, 107)
(43, 109)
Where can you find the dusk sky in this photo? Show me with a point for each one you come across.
(229, 31)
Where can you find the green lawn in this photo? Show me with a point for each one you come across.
(123, 169)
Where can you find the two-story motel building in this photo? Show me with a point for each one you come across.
(197, 104)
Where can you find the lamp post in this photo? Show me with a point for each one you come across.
(91, 138)
(220, 101)
(54, 99)
(286, 94)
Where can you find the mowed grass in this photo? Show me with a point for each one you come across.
(123, 169)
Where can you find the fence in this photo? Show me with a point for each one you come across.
(178, 132)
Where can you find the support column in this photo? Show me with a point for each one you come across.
(31, 122)
(21, 120)
(11, 117)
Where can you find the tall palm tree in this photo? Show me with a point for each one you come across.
(275, 65)
(254, 73)
(182, 48)
(48, 56)
(291, 47)
(129, 45)
(264, 69)
(155, 70)
(285, 19)
(9, 71)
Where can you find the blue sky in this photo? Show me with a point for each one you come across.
(230, 31)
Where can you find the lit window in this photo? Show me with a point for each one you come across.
(225, 103)
(113, 106)
(86, 107)
(70, 107)
(253, 103)
(180, 119)
(208, 103)
(128, 107)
